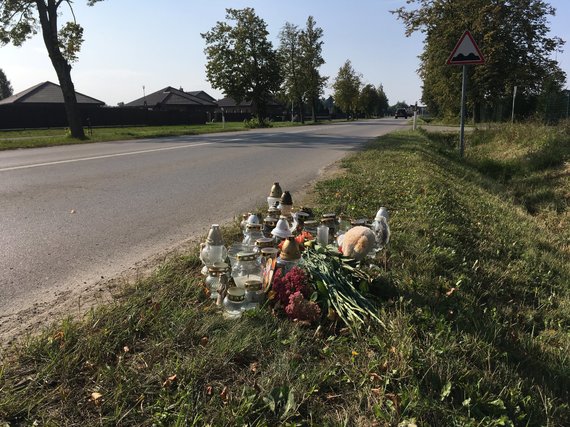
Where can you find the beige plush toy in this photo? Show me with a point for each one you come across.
(358, 242)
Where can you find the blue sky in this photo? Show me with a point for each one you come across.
(131, 43)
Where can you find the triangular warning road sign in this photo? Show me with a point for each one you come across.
(466, 52)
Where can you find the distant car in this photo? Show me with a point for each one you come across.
(401, 112)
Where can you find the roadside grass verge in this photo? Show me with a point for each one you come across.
(10, 140)
(474, 297)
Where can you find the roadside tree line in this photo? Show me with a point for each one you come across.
(515, 39)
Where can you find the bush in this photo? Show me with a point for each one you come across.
(255, 123)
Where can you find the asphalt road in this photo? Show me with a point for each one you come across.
(71, 215)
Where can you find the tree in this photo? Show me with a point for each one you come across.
(312, 59)
(513, 36)
(347, 88)
(241, 61)
(369, 101)
(289, 54)
(382, 101)
(5, 86)
(19, 21)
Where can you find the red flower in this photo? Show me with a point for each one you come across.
(293, 281)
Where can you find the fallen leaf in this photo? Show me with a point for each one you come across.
(450, 292)
(96, 398)
(377, 391)
(169, 381)
(224, 393)
(354, 353)
(375, 377)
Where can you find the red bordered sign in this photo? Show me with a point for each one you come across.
(466, 52)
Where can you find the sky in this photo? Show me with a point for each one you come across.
(134, 43)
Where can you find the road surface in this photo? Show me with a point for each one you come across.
(71, 216)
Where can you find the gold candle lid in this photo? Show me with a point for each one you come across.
(276, 190)
(236, 294)
(245, 256)
(264, 242)
(219, 267)
(290, 250)
(286, 199)
(253, 285)
(269, 252)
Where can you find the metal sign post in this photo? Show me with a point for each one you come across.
(462, 122)
(466, 52)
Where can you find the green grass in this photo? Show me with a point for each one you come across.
(475, 300)
(49, 137)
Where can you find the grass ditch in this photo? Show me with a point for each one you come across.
(474, 297)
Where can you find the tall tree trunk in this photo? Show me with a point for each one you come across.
(313, 110)
(48, 20)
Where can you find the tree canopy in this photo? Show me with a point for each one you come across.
(513, 36)
(312, 59)
(241, 60)
(22, 19)
(290, 61)
(347, 88)
(5, 86)
(300, 57)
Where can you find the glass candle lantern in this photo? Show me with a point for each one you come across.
(263, 242)
(252, 233)
(234, 302)
(254, 295)
(290, 255)
(323, 235)
(274, 212)
(269, 224)
(215, 272)
(213, 250)
(274, 195)
(381, 229)
(247, 267)
(286, 204)
(330, 220)
(310, 226)
(268, 253)
(281, 230)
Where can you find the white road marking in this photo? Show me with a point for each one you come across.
(105, 156)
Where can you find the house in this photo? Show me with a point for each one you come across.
(47, 93)
(169, 99)
(229, 105)
(42, 105)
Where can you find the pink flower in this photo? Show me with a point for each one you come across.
(301, 309)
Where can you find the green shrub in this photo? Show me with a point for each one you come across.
(255, 123)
